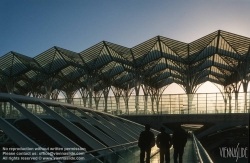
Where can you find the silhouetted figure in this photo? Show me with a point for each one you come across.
(179, 142)
(146, 142)
(164, 142)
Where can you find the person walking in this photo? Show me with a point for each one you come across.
(179, 142)
(146, 142)
(164, 142)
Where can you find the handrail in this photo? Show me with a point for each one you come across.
(197, 152)
(115, 151)
(102, 149)
(115, 146)
(201, 153)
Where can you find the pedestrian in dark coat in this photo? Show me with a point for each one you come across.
(146, 142)
(164, 142)
(179, 142)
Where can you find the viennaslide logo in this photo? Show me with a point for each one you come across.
(234, 152)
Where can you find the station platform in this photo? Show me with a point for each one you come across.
(188, 156)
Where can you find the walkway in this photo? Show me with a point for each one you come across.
(188, 156)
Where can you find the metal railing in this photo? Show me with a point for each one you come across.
(209, 103)
(110, 155)
(200, 103)
(125, 154)
(201, 154)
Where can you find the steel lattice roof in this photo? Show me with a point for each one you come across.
(220, 57)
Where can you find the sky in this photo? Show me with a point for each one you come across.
(30, 27)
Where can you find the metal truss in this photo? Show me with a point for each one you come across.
(219, 57)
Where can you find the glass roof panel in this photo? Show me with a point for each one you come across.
(57, 63)
(169, 54)
(178, 81)
(178, 47)
(227, 50)
(219, 61)
(142, 49)
(71, 57)
(45, 58)
(153, 55)
(205, 52)
(203, 64)
(21, 83)
(6, 63)
(174, 66)
(103, 59)
(117, 69)
(91, 54)
(197, 46)
(164, 75)
(17, 66)
(216, 72)
(122, 51)
(239, 43)
(11, 66)
(161, 65)
(71, 73)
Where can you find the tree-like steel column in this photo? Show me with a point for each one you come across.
(245, 83)
(97, 97)
(156, 94)
(105, 94)
(69, 92)
(84, 94)
(48, 87)
(228, 93)
(243, 71)
(190, 89)
(55, 93)
(90, 90)
(137, 82)
(146, 89)
(117, 93)
(90, 87)
(126, 94)
(153, 95)
(234, 88)
(152, 101)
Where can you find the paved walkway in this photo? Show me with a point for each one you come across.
(188, 156)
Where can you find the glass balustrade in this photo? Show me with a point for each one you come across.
(209, 103)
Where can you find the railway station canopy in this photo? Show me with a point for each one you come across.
(220, 57)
